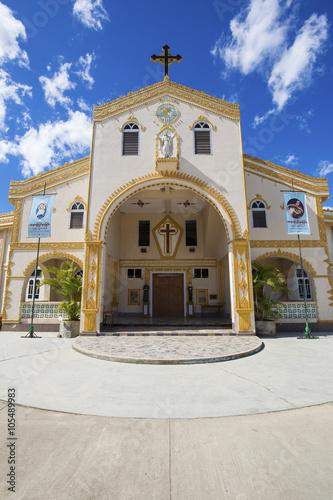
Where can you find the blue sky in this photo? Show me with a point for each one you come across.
(60, 57)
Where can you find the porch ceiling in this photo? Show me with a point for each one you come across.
(164, 200)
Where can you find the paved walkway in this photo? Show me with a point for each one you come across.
(47, 373)
(168, 350)
(268, 456)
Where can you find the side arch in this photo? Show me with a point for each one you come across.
(288, 255)
(46, 256)
(43, 258)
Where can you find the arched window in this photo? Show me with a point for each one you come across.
(258, 209)
(79, 273)
(77, 212)
(300, 284)
(31, 283)
(131, 139)
(202, 142)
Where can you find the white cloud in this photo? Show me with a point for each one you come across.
(6, 148)
(84, 73)
(303, 120)
(263, 41)
(10, 30)
(10, 91)
(83, 105)
(233, 98)
(291, 160)
(55, 87)
(257, 34)
(294, 69)
(91, 13)
(51, 144)
(325, 168)
(260, 119)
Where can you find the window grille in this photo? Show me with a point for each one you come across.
(201, 273)
(131, 139)
(144, 233)
(30, 289)
(77, 212)
(300, 284)
(191, 233)
(202, 141)
(258, 209)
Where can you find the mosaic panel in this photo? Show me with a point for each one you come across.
(41, 311)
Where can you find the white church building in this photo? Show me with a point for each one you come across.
(167, 198)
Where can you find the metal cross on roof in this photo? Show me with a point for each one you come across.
(166, 59)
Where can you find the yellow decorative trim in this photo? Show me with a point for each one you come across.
(140, 183)
(16, 221)
(260, 198)
(63, 245)
(36, 184)
(244, 320)
(92, 284)
(179, 263)
(132, 119)
(243, 284)
(290, 256)
(285, 243)
(76, 199)
(323, 240)
(168, 90)
(6, 220)
(89, 324)
(202, 118)
(8, 293)
(283, 175)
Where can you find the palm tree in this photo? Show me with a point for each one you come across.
(267, 279)
(68, 282)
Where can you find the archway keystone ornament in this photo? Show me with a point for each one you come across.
(167, 235)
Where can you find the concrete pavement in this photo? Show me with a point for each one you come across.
(205, 432)
(47, 373)
(272, 456)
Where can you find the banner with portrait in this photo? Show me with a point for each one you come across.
(40, 217)
(296, 213)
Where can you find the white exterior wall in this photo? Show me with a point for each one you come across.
(63, 239)
(222, 169)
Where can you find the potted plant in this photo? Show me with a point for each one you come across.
(68, 282)
(267, 279)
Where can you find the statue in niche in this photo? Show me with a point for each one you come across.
(146, 292)
(190, 292)
(166, 144)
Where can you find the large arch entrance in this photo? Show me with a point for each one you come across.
(166, 239)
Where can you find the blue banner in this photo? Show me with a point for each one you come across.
(40, 217)
(296, 213)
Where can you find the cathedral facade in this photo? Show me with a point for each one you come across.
(164, 219)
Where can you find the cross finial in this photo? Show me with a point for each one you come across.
(166, 59)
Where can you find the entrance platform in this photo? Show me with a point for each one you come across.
(168, 350)
(167, 325)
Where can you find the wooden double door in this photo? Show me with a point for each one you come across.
(168, 294)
